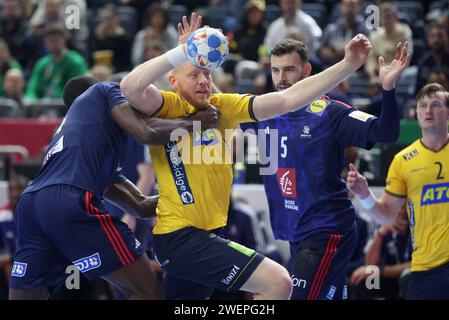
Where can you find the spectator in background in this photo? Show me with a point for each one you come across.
(390, 251)
(52, 11)
(101, 72)
(338, 33)
(250, 36)
(384, 39)
(13, 29)
(294, 17)
(6, 62)
(8, 232)
(110, 35)
(158, 29)
(52, 71)
(14, 85)
(436, 56)
(439, 75)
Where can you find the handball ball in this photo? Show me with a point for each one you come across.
(207, 48)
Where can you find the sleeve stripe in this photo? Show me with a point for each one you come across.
(160, 108)
(250, 109)
(395, 195)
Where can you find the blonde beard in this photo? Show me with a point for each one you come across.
(203, 104)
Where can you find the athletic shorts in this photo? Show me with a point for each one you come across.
(198, 261)
(61, 226)
(431, 284)
(318, 266)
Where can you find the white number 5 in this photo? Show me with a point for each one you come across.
(283, 146)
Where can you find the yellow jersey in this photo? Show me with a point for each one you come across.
(422, 177)
(194, 173)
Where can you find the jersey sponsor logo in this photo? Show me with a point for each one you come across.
(306, 132)
(207, 137)
(410, 155)
(55, 149)
(297, 282)
(231, 275)
(88, 263)
(331, 293)
(317, 107)
(435, 193)
(286, 178)
(360, 115)
(179, 173)
(291, 204)
(19, 269)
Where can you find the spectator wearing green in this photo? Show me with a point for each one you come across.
(6, 62)
(52, 71)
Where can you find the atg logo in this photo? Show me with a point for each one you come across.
(88, 263)
(435, 193)
(19, 269)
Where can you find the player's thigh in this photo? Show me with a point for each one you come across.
(96, 242)
(205, 258)
(318, 266)
(138, 279)
(38, 262)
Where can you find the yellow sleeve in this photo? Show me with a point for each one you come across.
(396, 184)
(235, 109)
(172, 106)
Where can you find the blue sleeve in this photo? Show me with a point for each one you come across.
(350, 127)
(385, 129)
(249, 125)
(112, 94)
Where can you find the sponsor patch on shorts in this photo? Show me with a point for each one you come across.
(88, 263)
(19, 269)
(242, 249)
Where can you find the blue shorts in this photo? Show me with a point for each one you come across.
(62, 225)
(318, 266)
(431, 284)
(198, 261)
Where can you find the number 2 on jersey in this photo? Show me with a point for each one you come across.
(440, 170)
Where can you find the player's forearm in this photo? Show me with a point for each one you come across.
(137, 85)
(372, 256)
(385, 129)
(162, 131)
(301, 93)
(394, 271)
(129, 198)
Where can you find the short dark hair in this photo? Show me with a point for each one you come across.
(287, 46)
(430, 89)
(56, 29)
(76, 87)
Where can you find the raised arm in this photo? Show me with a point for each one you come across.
(138, 86)
(305, 91)
(384, 209)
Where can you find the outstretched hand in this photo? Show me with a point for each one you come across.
(185, 28)
(357, 51)
(389, 74)
(356, 183)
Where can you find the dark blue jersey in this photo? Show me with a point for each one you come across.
(88, 148)
(306, 195)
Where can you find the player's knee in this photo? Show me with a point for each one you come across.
(276, 283)
(281, 284)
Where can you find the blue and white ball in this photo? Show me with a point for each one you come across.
(207, 48)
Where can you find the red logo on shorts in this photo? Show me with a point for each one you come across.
(287, 181)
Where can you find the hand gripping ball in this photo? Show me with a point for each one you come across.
(207, 48)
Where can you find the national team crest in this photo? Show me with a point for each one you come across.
(286, 178)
